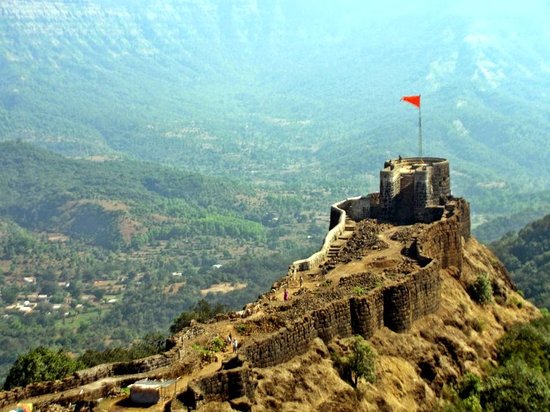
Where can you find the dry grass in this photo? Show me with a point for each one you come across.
(412, 367)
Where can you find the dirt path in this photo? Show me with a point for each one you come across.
(373, 260)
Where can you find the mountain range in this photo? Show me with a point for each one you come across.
(286, 93)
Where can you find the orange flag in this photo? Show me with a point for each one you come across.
(414, 100)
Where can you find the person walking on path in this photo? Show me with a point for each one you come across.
(235, 345)
(301, 281)
(285, 294)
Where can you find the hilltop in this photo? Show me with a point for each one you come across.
(406, 287)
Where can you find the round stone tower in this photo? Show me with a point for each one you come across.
(414, 189)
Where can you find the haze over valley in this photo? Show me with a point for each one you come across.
(157, 152)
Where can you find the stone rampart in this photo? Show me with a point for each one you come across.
(442, 240)
(416, 296)
(462, 213)
(84, 377)
(337, 227)
(356, 208)
(425, 197)
(395, 306)
(282, 345)
(367, 313)
(408, 186)
(222, 386)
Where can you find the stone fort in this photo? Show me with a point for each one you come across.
(430, 226)
(412, 190)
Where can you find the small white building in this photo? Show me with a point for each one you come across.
(148, 391)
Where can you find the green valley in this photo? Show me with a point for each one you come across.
(87, 245)
(157, 152)
(283, 94)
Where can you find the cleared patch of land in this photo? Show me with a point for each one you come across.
(225, 287)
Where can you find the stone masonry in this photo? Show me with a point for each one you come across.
(424, 190)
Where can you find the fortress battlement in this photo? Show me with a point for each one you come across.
(412, 190)
(380, 265)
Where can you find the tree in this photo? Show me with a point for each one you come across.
(528, 342)
(362, 361)
(151, 344)
(521, 382)
(358, 364)
(202, 311)
(40, 364)
(516, 387)
(9, 294)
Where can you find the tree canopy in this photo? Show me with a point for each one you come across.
(40, 364)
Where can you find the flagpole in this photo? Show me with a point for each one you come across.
(415, 101)
(420, 134)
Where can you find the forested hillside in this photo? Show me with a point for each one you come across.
(526, 254)
(123, 247)
(287, 92)
(496, 228)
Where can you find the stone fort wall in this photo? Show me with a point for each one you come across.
(86, 376)
(423, 195)
(395, 306)
(414, 189)
(356, 208)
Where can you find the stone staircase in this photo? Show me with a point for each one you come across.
(337, 245)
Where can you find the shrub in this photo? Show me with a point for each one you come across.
(478, 325)
(216, 344)
(514, 302)
(201, 312)
(358, 364)
(481, 290)
(206, 354)
(358, 290)
(151, 344)
(470, 386)
(38, 365)
(242, 328)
